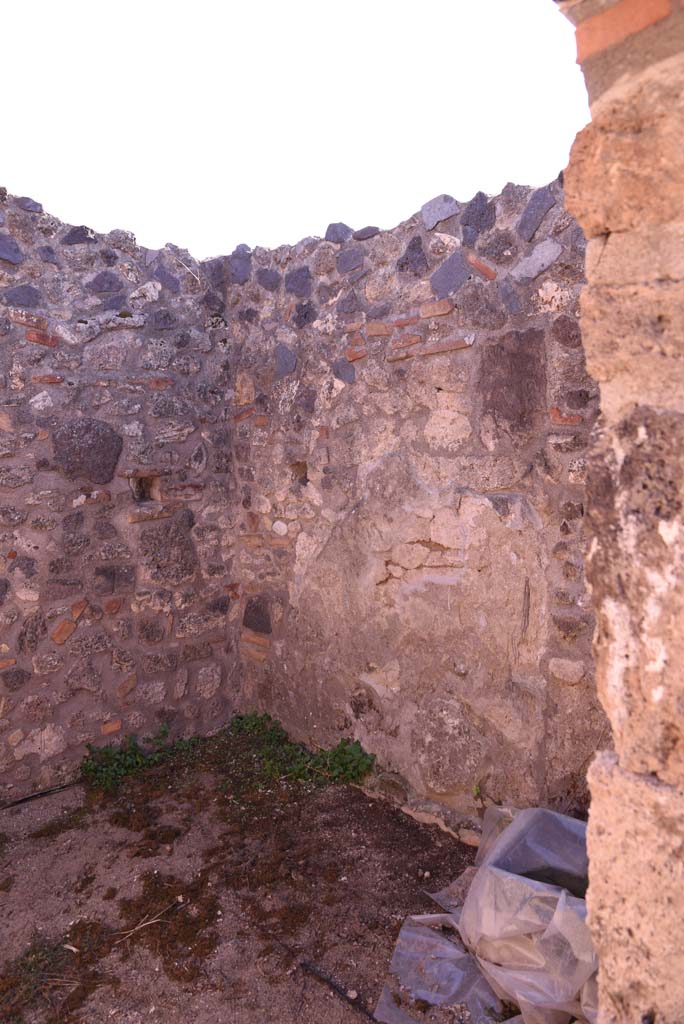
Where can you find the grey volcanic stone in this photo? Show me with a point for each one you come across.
(162, 320)
(48, 254)
(109, 256)
(414, 260)
(539, 260)
(15, 678)
(240, 265)
(438, 209)
(448, 278)
(257, 616)
(349, 303)
(344, 370)
(539, 205)
(105, 282)
(566, 331)
(268, 278)
(299, 282)
(478, 216)
(30, 205)
(167, 280)
(78, 236)
(338, 232)
(9, 249)
(305, 314)
(285, 361)
(510, 297)
(368, 232)
(24, 295)
(87, 448)
(4, 589)
(349, 259)
(32, 632)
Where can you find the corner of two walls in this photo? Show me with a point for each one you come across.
(342, 482)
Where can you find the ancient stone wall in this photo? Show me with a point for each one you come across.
(341, 481)
(625, 183)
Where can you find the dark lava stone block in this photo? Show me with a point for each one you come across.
(257, 616)
(87, 448)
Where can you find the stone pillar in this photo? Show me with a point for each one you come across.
(625, 185)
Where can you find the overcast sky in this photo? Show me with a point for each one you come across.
(211, 122)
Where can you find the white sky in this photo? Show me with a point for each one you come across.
(212, 122)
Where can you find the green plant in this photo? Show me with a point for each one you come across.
(106, 767)
(280, 758)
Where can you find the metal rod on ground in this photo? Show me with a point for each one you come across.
(316, 972)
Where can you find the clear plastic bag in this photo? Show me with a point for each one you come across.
(523, 931)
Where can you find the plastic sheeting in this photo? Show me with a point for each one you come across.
(520, 938)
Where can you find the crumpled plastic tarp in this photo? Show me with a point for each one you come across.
(520, 938)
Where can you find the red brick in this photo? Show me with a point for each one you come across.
(127, 686)
(144, 515)
(78, 608)
(450, 345)
(107, 728)
(7, 663)
(63, 631)
(253, 653)
(482, 268)
(238, 417)
(406, 341)
(42, 338)
(26, 319)
(254, 638)
(48, 378)
(397, 356)
(260, 421)
(352, 328)
(440, 307)
(252, 540)
(378, 329)
(112, 606)
(557, 416)
(353, 354)
(612, 26)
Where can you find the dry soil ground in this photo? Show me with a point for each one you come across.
(200, 892)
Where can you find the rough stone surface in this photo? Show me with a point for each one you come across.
(10, 250)
(638, 907)
(625, 185)
(438, 209)
(325, 492)
(452, 274)
(87, 448)
(23, 295)
(539, 205)
(338, 232)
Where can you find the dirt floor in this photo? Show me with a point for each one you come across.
(202, 891)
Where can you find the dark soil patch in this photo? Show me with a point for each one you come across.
(64, 823)
(251, 878)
